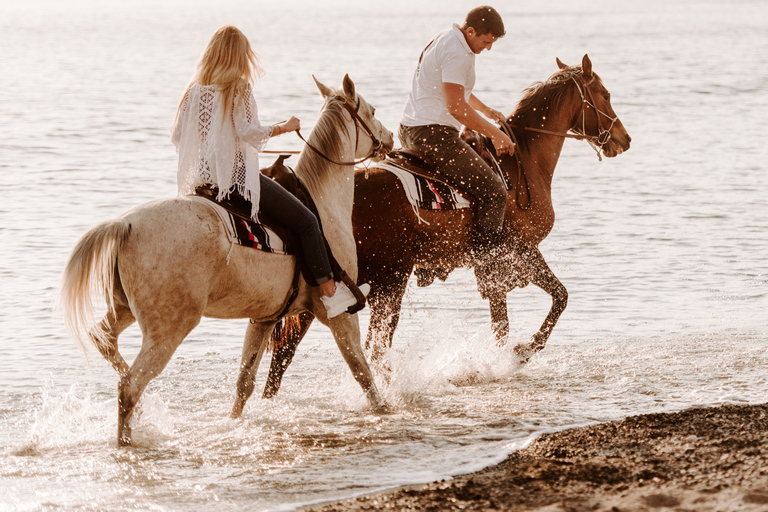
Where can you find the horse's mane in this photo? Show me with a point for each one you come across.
(540, 98)
(324, 137)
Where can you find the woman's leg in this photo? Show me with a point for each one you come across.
(282, 206)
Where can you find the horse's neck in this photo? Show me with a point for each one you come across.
(330, 185)
(334, 197)
(542, 151)
(332, 189)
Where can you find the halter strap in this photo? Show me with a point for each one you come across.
(603, 136)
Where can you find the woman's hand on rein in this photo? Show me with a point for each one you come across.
(291, 125)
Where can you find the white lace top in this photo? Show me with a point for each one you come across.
(223, 154)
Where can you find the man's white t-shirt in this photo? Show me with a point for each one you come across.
(448, 59)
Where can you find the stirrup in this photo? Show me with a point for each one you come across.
(344, 300)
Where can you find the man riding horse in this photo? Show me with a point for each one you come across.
(439, 104)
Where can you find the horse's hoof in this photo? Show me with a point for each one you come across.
(524, 352)
(237, 410)
(382, 407)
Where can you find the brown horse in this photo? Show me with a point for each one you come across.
(393, 239)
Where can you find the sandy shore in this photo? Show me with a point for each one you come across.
(705, 459)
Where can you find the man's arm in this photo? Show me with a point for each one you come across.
(464, 113)
(487, 111)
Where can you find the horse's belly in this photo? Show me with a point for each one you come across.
(178, 257)
(445, 239)
(254, 284)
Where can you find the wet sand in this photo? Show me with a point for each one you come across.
(703, 459)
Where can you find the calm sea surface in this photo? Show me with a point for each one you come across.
(663, 249)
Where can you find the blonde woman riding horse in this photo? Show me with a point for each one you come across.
(168, 263)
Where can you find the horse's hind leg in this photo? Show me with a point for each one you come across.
(385, 301)
(499, 317)
(256, 339)
(157, 347)
(543, 277)
(112, 325)
(284, 349)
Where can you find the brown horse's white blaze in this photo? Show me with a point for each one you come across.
(167, 263)
(393, 240)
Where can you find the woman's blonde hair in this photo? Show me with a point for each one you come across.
(228, 62)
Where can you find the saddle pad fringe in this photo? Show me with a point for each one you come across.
(425, 193)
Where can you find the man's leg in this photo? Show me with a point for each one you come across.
(463, 169)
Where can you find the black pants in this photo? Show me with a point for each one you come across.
(463, 169)
(282, 206)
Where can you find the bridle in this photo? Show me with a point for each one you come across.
(603, 135)
(595, 141)
(359, 123)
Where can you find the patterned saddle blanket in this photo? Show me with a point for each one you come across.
(425, 192)
(422, 192)
(241, 230)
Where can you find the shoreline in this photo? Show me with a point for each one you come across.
(702, 459)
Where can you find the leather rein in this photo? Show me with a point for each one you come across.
(359, 122)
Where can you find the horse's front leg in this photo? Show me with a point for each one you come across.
(256, 338)
(542, 276)
(284, 347)
(346, 331)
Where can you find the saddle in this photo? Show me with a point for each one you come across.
(431, 190)
(283, 175)
(415, 163)
(240, 207)
(426, 188)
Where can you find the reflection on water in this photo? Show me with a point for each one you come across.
(661, 250)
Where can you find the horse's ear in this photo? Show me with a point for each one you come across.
(560, 63)
(349, 87)
(586, 66)
(324, 90)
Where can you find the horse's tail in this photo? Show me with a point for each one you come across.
(91, 272)
(285, 329)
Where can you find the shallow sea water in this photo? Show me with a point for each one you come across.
(662, 250)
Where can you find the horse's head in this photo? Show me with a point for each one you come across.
(372, 139)
(596, 119)
(282, 174)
